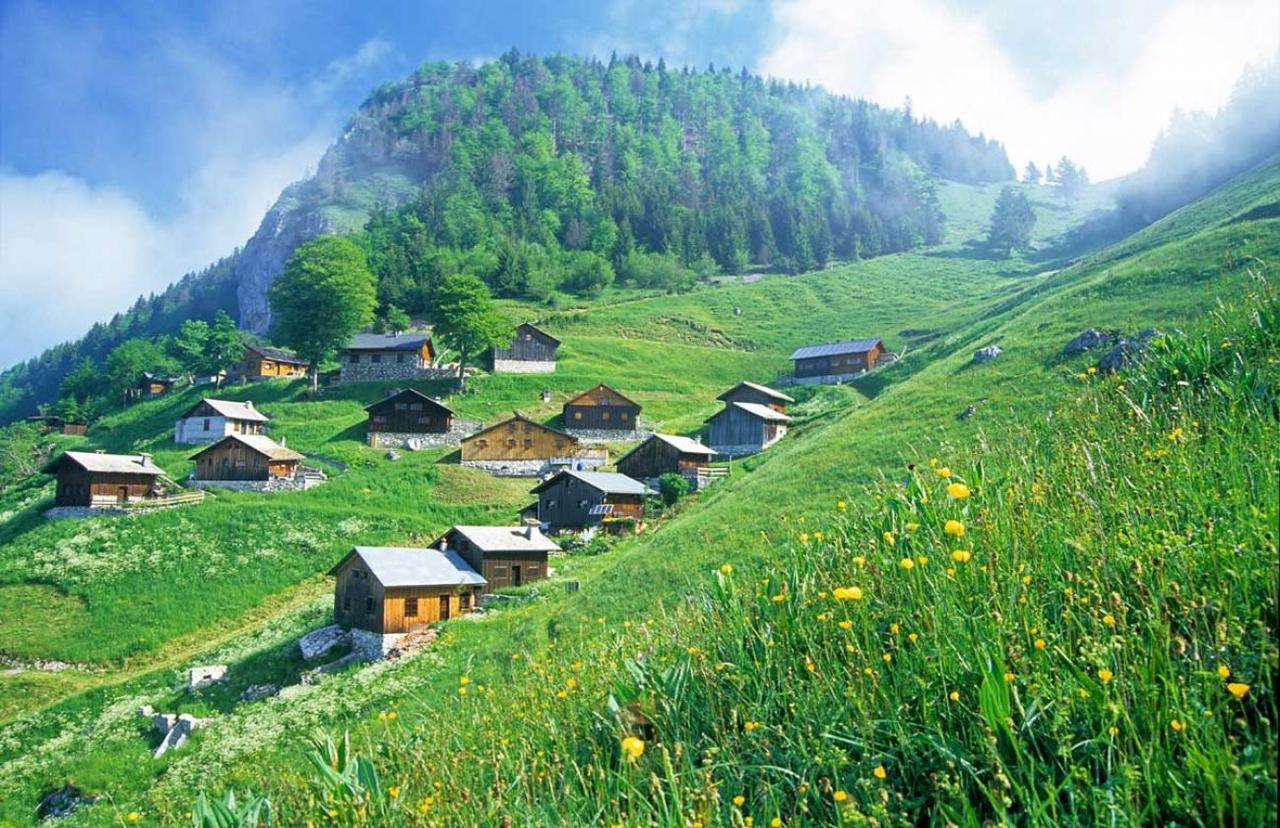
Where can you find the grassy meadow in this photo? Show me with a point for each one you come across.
(708, 672)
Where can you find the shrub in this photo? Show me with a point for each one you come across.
(672, 487)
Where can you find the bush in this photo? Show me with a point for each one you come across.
(672, 487)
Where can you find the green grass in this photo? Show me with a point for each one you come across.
(657, 595)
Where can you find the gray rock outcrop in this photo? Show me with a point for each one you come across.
(318, 642)
(986, 354)
(201, 677)
(1088, 339)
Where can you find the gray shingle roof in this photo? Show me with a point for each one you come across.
(685, 445)
(505, 538)
(108, 463)
(607, 482)
(401, 566)
(763, 389)
(233, 410)
(387, 342)
(278, 354)
(411, 392)
(852, 346)
(260, 443)
(764, 412)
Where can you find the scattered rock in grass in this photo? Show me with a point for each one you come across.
(146, 711)
(254, 692)
(1089, 339)
(968, 412)
(318, 642)
(177, 735)
(986, 354)
(162, 723)
(1124, 353)
(201, 677)
(61, 802)
(1147, 334)
(393, 455)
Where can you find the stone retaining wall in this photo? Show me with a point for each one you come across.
(522, 366)
(827, 379)
(276, 484)
(600, 435)
(76, 512)
(377, 371)
(511, 468)
(413, 441)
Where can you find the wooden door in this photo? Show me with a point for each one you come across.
(444, 607)
(122, 496)
(516, 579)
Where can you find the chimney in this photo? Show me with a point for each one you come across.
(528, 533)
(145, 459)
(284, 441)
(248, 404)
(99, 451)
(444, 545)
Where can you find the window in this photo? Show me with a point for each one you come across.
(559, 444)
(605, 415)
(582, 504)
(577, 415)
(375, 358)
(368, 605)
(355, 359)
(380, 418)
(415, 406)
(402, 406)
(206, 423)
(511, 443)
(528, 443)
(424, 420)
(623, 414)
(528, 337)
(482, 443)
(411, 608)
(553, 504)
(604, 400)
(511, 426)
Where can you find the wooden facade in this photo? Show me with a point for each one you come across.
(89, 479)
(409, 412)
(839, 359)
(601, 409)
(745, 428)
(577, 500)
(416, 350)
(150, 385)
(518, 438)
(371, 596)
(504, 556)
(210, 420)
(529, 345)
(261, 361)
(750, 392)
(665, 454)
(237, 457)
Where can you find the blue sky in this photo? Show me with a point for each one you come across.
(139, 140)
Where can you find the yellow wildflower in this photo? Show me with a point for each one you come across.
(739, 800)
(840, 505)
(888, 538)
(954, 696)
(132, 817)
(1175, 434)
(907, 563)
(1177, 726)
(394, 791)
(1105, 675)
(859, 560)
(1237, 689)
(954, 527)
(893, 628)
(726, 569)
(879, 772)
(958, 491)
(961, 555)
(804, 537)
(633, 747)
(852, 593)
(944, 472)
(464, 681)
(1009, 677)
(1109, 620)
(839, 796)
(1040, 644)
(844, 625)
(1223, 671)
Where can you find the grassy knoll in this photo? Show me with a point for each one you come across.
(540, 743)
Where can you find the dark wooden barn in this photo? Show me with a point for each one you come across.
(98, 479)
(601, 409)
(579, 499)
(532, 351)
(836, 361)
(246, 457)
(666, 454)
(505, 556)
(745, 428)
(399, 590)
(407, 411)
(750, 392)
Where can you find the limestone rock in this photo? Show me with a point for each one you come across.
(986, 354)
(61, 802)
(1147, 334)
(201, 677)
(393, 455)
(255, 692)
(1088, 339)
(968, 412)
(318, 642)
(1124, 353)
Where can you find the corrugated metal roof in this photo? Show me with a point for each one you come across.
(764, 412)
(401, 566)
(388, 342)
(685, 445)
(607, 482)
(108, 463)
(852, 346)
(233, 410)
(505, 538)
(763, 389)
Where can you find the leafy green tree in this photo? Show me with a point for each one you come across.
(395, 320)
(467, 319)
(325, 294)
(130, 360)
(191, 346)
(672, 487)
(1012, 221)
(225, 346)
(83, 382)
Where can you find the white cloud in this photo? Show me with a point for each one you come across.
(952, 65)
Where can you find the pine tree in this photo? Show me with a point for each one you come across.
(1012, 221)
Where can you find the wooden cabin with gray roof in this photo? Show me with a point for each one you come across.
(836, 362)
(246, 458)
(96, 479)
(580, 499)
(751, 392)
(208, 421)
(373, 357)
(668, 454)
(532, 351)
(742, 428)
(395, 589)
(505, 556)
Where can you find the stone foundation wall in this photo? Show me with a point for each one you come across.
(77, 512)
(521, 366)
(511, 468)
(600, 435)
(371, 645)
(276, 484)
(738, 451)
(413, 441)
(827, 379)
(364, 371)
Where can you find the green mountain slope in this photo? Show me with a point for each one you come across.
(853, 445)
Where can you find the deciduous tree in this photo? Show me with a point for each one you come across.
(467, 320)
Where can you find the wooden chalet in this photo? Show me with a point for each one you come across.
(750, 392)
(519, 443)
(387, 589)
(601, 409)
(407, 412)
(372, 356)
(532, 351)
(208, 421)
(574, 499)
(667, 454)
(836, 361)
(260, 361)
(503, 555)
(745, 428)
(154, 385)
(246, 457)
(98, 479)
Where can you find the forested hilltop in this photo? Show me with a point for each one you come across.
(567, 174)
